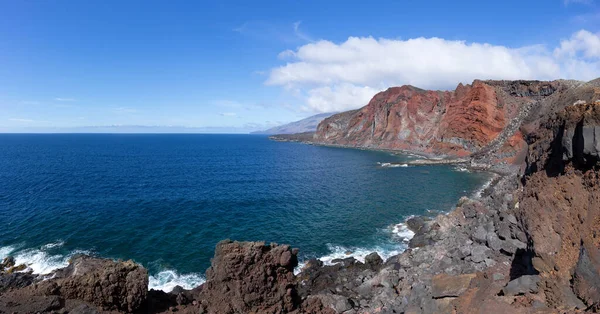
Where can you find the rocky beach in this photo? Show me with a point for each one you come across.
(528, 244)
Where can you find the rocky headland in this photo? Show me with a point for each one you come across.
(529, 244)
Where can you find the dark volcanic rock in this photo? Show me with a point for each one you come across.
(7, 263)
(586, 280)
(15, 281)
(107, 284)
(560, 206)
(522, 285)
(110, 285)
(373, 259)
(251, 277)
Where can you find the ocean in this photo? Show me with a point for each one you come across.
(165, 200)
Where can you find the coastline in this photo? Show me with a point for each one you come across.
(167, 279)
(426, 159)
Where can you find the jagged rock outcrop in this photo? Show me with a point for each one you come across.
(456, 123)
(560, 207)
(100, 283)
(251, 277)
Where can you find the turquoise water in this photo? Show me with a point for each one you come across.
(166, 200)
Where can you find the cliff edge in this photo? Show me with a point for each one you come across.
(472, 118)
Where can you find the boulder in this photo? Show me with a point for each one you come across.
(504, 231)
(251, 277)
(479, 253)
(522, 285)
(7, 263)
(417, 224)
(586, 280)
(444, 285)
(17, 268)
(373, 260)
(493, 242)
(345, 262)
(338, 303)
(420, 240)
(480, 234)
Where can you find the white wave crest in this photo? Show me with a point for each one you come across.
(461, 169)
(340, 252)
(166, 280)
(391, 165)
(5, 251)
(53, 245)
(401, 230)
(41, 262)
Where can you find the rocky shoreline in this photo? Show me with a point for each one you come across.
(529, 244)
(240, 273)
(425, 159)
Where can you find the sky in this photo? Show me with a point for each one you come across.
(240, 66)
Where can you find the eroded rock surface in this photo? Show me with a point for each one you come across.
(251, 277)
(561, 206)
(100, 283)
(456, 123)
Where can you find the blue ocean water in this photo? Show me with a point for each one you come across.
(166, 200)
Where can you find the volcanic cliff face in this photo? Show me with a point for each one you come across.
(560, 207)
(456, 123)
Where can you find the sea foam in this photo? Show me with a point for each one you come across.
(166, 280)
(401, 231)
(340, 252)
(5, 251)
(390, 165)
(42, 262)
(398, 231)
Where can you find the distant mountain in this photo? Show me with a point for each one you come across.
(305, 125)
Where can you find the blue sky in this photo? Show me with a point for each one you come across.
(237, 66)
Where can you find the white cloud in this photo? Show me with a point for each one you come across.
(339, 97)
(21, 120)
(64, 99)
(340, 76)
(228, 114)
(583, 43)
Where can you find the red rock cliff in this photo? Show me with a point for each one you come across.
(457, 123)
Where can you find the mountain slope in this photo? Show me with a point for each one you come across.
(454, 123)
(302, 126)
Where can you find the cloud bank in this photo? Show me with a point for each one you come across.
(340, 76)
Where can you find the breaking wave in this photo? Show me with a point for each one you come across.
(391, 165)
(461, 169)
(400, 236)
(40, 261)
(45, 260)
(166, 280)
